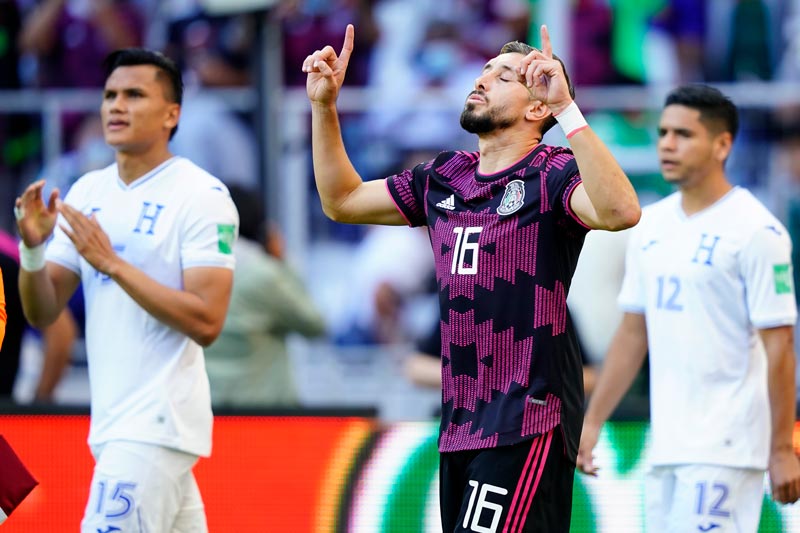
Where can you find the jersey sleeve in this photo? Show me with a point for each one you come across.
(210, 230)
(766, 268)
(60, 249)
(632, 295)
(407, 192)
(563, 178)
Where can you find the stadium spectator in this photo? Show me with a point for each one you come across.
(17, 134)
(708, 291)
(248, 365)
(309, 25)
(391, 271)
(150, 238)
(590, 33)
(70, 38)
(506, 224)
(214, 53)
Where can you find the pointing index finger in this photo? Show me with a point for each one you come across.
(347, 47)
(547, 48)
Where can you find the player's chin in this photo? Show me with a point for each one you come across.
(115, 140)
(672, 177)
(119, 143)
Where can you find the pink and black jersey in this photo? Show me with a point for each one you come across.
(505, 246)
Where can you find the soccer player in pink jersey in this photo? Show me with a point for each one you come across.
(506, 223)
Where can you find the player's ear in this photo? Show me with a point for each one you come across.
(537, 111)
(172, 116)
(723, 143)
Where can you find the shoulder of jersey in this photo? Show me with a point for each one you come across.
(751, 212)
(462, 157)
(195, 175)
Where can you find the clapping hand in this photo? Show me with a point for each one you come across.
(35, 219)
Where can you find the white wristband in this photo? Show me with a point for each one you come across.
(571, 120)
(31, 259)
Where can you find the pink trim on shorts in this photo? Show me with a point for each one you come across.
(528, 483)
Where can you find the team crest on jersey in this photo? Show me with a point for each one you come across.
(513, 198)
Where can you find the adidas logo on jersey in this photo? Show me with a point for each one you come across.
(448, 203)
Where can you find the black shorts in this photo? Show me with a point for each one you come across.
(526, 488)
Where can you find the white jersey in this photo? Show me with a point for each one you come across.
(148, 381)
(706, 283)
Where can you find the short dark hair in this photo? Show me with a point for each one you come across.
(717, 112)
(517, 47)
(129, 57)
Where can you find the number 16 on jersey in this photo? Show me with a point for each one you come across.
(463, 245)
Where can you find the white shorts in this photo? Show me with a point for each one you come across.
(681, 498)
(138, 487)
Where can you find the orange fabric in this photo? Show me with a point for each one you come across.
(3, 315)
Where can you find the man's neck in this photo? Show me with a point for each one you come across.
(500, 151)
(132, 166)
(704, 194)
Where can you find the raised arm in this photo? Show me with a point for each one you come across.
(44, 288)
(784, 469)
(344, 195)
(623, 361)
(39, 33)
(606, 199)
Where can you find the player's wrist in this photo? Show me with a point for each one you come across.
(784, 447)
(111, 267)
(324, 106)
(31, 259)
(571, 119)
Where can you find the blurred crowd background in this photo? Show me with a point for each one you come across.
(348, 312)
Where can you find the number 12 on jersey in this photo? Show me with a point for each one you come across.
(464, 245)
(669, 292)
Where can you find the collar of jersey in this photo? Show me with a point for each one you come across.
(523, 162)
(724, 198)
(147, 177)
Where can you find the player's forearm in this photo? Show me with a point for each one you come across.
(58, 339)
(335, 175)
(38, 296)
(620, 367)
(781, 381)
(199, 319)
(606, 184)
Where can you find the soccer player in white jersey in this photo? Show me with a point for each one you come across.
(708, 292)
(150, 238)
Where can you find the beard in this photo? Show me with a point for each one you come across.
(487, 122)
